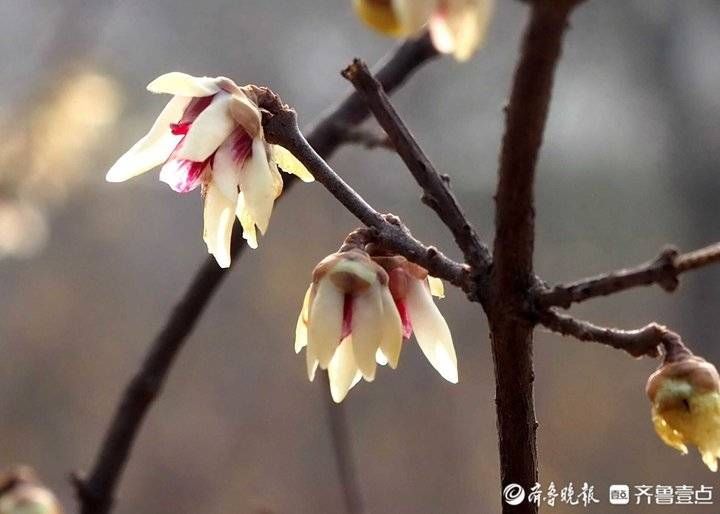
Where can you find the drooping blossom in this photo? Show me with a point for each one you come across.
(357, 311)
(210, 135)
(685, 396)
(457, 27)
(412, 290)
(348, 321)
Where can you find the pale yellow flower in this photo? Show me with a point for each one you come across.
(685, 396)
(457, 27)
(210, 134)
(412, 290)
(348, 321)
(355, 315)
(21, 493)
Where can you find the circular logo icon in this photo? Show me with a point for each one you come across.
(513, 494)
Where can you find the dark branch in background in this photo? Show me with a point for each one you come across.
(437, 194)
(512, 274)
(96, 493)
(281, 128)
(638, 343)
(368, 139)
(342, 447)
(663, 271)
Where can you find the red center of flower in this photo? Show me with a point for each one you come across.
(404, 317)
(347, 316)
(180, 129)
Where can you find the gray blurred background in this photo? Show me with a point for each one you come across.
(91, 270)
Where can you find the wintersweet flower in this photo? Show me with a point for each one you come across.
(457, 27)
(210, 135)
(348, 321)
(685, 396)
(412, 290)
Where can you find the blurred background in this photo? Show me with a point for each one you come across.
(89, 271)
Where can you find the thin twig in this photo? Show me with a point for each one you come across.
(512, 275)
(96, 493)
(663, 271)
(638, 343)
(281, 128)
(437, 193)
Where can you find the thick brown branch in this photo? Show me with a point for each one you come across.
(96, 492)
(437, 193)
(512, 275)
(368, 139)
(663, 271)
(282, 129)
(638, 343)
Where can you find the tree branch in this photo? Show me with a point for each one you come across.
(437, 193)
(663, 271)
(281, 128)
(368, 139)
(512, 274)
(96, 493)
(645, 341)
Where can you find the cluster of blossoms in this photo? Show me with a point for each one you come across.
(685, 396)
(210, 135)
(457, 27)
(357, 311)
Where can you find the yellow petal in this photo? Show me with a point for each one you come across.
(367, 329)
(431, 331)
(342, 370)
(392, 337)
(380, 357)
(219, 216)
(258, 185)
(226, 170)
(325, 321)
(212, 126)
(710, 460)
(437, 288)
(154, 148)
(246, 114)
(312, 364)
(248, 224)
(379, 15)
(301, 332)
(290, 164)
(461, 28)
(669, 436)
(177, 83)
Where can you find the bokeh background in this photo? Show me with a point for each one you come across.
(89, 270)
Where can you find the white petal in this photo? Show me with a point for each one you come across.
(301, 332)
(413, 14)
(177, 83)
(312, 364)
(325, 321)
(219, 216)
(212, 126)
(226, 170)
(342, 370)
(290, 164)
(380, 357)
(437, 288)
(248, 224)
(392, 330)
(366, 329)
(431, 331)
(154, 148)
(259, 186)
(462, 28)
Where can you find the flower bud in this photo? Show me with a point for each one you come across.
(685, 396)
